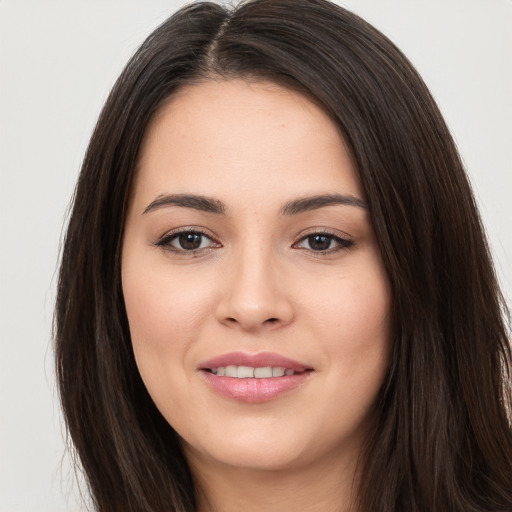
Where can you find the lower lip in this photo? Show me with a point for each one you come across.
(255, 390)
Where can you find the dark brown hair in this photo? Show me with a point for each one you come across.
(443, 438)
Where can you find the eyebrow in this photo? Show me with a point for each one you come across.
(201, 203)
(307, 204)
(211, 205)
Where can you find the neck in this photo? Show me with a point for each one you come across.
(330, 487)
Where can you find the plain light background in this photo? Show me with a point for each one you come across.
(58, 60)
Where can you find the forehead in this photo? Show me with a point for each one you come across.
(222, 138)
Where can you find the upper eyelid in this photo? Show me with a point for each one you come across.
(303, 234)
(327, 234)
(164, 241)
(189, 229)
(344, 240)
(335, 233)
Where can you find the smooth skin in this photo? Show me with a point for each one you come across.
(308, 285)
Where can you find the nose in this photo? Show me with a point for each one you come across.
(253, 294)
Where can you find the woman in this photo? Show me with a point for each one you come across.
(275, 290)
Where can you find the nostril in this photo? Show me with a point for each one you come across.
(269, 320)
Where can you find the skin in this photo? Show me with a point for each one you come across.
(257, 283)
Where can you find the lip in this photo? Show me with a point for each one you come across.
(254, 390)
(257, 360)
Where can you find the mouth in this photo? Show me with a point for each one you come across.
(249, 372)
(254, 378)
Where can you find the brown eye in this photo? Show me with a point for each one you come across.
(189, 241)
(323, 243)
(320, 242)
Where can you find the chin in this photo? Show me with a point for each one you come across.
(249, 458)
(263, 447)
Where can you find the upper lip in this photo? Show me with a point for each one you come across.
(258, 360)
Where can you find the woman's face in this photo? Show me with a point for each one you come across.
(258, 304)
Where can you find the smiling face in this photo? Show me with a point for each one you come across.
(248, 245)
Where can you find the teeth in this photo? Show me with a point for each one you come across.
(248, 372)
(262, 373)
(231, 371)
(245, 372)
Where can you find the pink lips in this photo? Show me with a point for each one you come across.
(254, 390)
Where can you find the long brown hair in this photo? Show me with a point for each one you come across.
(443, 437)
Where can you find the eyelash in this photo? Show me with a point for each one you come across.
(167, 239)
(343, 244)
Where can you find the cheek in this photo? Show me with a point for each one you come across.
(165, 312)
(357, 301)
(354, 323)
(363, 320)
(159, 300)
(166, 309)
